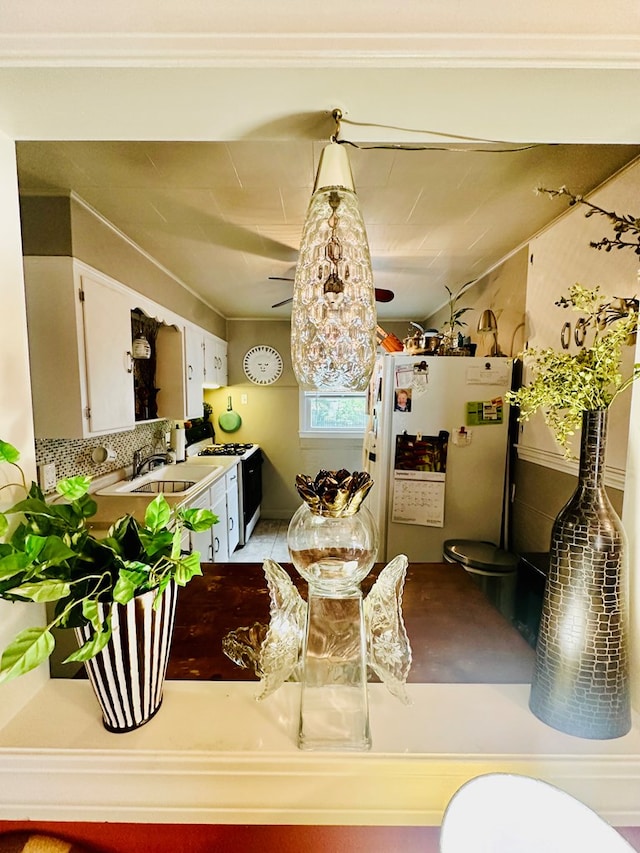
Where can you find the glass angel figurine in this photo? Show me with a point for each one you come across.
(329, 641)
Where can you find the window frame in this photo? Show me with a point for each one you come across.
(307, 431)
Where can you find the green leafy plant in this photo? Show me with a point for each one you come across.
(52, 556)
(564, 385)
(454, 322)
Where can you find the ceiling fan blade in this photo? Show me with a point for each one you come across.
(284, 302)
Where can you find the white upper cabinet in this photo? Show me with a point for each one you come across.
(221, 361)
(205, 366)
(205, 358)
(215, 361)
(107, 331)
(80, 350)
(194, 361)
(80, 342)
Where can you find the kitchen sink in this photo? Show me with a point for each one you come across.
(171, 487)
(177, 479)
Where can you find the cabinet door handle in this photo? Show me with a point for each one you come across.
(129, 367)
(230, 522)
(210, 552)
(190, 372)
(217, 545)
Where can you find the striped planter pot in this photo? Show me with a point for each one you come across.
(128, 674)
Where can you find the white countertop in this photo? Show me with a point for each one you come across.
(215, 755)
(112, 507)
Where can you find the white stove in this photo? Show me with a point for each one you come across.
(209, 448)
(249, 457)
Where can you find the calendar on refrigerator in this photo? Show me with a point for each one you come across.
(420, 467)
(418, 498)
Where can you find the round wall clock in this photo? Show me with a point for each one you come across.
(262, 365)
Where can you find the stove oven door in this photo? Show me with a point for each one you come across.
(251, 494)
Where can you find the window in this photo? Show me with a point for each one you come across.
(336, 414)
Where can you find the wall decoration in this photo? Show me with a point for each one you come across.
(262, 365)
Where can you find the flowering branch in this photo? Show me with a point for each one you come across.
(622, 225)
(565, 385)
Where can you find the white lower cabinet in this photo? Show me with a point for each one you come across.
(219, 530)
(202, 541)
(233, 509)
(222, 498)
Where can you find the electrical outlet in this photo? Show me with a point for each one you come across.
(243, 399)
(47, 476)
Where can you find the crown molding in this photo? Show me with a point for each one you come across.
(303, 49)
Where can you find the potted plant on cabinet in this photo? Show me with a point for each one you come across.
(105, 588)
(452, 329)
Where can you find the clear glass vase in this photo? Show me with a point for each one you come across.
(334, 553)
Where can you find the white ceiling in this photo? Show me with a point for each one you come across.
(225, 216)
(233, 103)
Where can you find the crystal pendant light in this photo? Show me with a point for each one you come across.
(333, 321)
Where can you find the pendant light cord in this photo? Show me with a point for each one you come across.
(338, 117)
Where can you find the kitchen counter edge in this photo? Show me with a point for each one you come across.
(112, 507)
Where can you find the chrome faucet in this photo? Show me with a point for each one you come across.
(143, 458)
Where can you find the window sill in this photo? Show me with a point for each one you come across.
(215, 755)
(333, 435)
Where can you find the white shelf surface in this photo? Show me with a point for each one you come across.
(213, 754)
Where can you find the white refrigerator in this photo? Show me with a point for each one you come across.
(436, 448)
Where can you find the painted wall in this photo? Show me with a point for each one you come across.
(67, 226)
(16, 422)
(558, 257)
(503, 290)
(539, 492)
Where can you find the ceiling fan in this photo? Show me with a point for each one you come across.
(381, 294)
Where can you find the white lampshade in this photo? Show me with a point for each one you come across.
(488, 324)
(333, 320)
(487, 321)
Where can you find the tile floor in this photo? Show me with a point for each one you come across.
(269, 539)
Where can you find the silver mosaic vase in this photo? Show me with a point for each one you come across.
(128, 674)
(581, 679)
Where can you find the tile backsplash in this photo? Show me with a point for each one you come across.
(73, 457)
